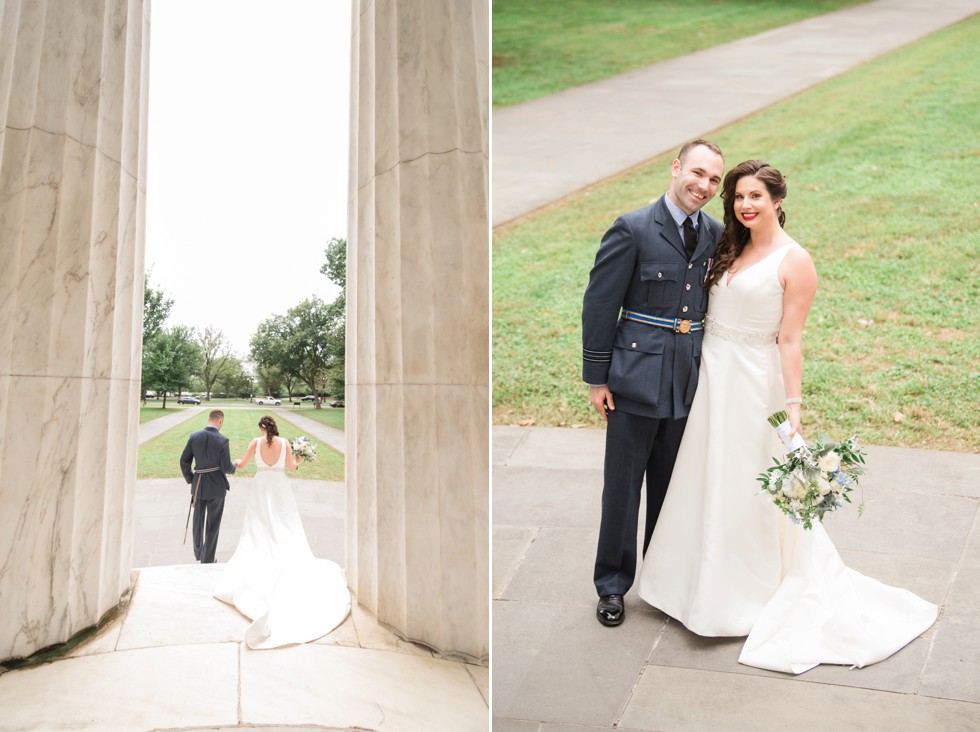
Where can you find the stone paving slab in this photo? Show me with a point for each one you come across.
(953, 668)
(360, 688)
(681, 700)
(531, 495)
(556, 668)
(555, 663)
(553, 146)
(139, 690)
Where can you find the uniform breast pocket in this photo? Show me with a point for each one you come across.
(663, 282)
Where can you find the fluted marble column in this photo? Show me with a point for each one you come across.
(418, 320)
(72, 159)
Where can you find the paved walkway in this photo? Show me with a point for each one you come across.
(156, 427)
(556, 669)
(550, 147)
(323, 432)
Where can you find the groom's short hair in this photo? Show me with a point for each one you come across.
(216, 415)
(699, 143)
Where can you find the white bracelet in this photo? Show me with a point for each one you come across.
(794, 400)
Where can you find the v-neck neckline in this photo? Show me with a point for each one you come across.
(729, 277)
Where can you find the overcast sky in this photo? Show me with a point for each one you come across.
(247, 156)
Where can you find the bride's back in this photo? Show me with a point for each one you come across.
(269, 455)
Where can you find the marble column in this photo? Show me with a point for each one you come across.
(418, 320)
(73, 77)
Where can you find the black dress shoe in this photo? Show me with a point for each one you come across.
(610, 610)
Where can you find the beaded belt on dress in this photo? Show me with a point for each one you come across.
(715, 327)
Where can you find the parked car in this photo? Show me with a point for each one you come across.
(268, 400)
(188, 400)
(308, 398)
(337, 403)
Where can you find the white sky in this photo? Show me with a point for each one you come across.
(247, 156)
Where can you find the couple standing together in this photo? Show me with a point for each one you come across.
(692, 337)
(272, 578)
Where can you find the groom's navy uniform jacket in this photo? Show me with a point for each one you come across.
(209, 448)
(642, 271)
(641, 266)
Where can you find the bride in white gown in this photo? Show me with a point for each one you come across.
(273, 578)
(723, 559)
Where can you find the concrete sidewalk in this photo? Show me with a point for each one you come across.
(156, 427)
(550, 147)
(556, 669)
(337, 439)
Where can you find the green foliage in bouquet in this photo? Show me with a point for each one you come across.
(813, 479)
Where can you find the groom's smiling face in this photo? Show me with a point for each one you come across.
(696, 178)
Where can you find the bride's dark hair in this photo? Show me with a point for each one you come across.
(268, 424)
(736, 235)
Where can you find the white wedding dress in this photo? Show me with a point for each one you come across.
(723, 559)
(273, 578)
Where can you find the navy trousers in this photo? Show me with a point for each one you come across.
(207, 523)
(635, 447)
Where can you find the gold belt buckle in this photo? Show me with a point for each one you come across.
(684, 326)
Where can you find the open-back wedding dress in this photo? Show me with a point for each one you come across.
(273, 577)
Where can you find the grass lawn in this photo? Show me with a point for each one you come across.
(160, 457)
(331, 416)
(155, 411)
(545, 46)
(881, 164)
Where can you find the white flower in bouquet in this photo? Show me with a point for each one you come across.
(796, 488)
(812, 479)
(304, 448)
(829, 462)
(823, 486)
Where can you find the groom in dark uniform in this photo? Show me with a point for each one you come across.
(212, 459)
(642, 326)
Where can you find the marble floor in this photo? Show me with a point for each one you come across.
(175, 659)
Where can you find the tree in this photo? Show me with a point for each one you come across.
(313, 341)
(216, 357)
(271, 354)
(307, 344)
(234, 379)
(269, 379)
(300, 344)
(335, 268)
(156, 309)
(171, 360)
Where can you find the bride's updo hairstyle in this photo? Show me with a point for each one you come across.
(268, 424)
(736, 235)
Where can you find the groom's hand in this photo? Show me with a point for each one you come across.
(602, 399)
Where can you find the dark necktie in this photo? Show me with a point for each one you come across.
(690, 237)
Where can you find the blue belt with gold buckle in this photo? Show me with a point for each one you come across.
(678, 325)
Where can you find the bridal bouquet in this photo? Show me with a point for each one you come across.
(303, 448)
(812, 479)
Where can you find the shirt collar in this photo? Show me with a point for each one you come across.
(678, 215)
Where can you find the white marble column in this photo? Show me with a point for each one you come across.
(72, 159)
(418, 320)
